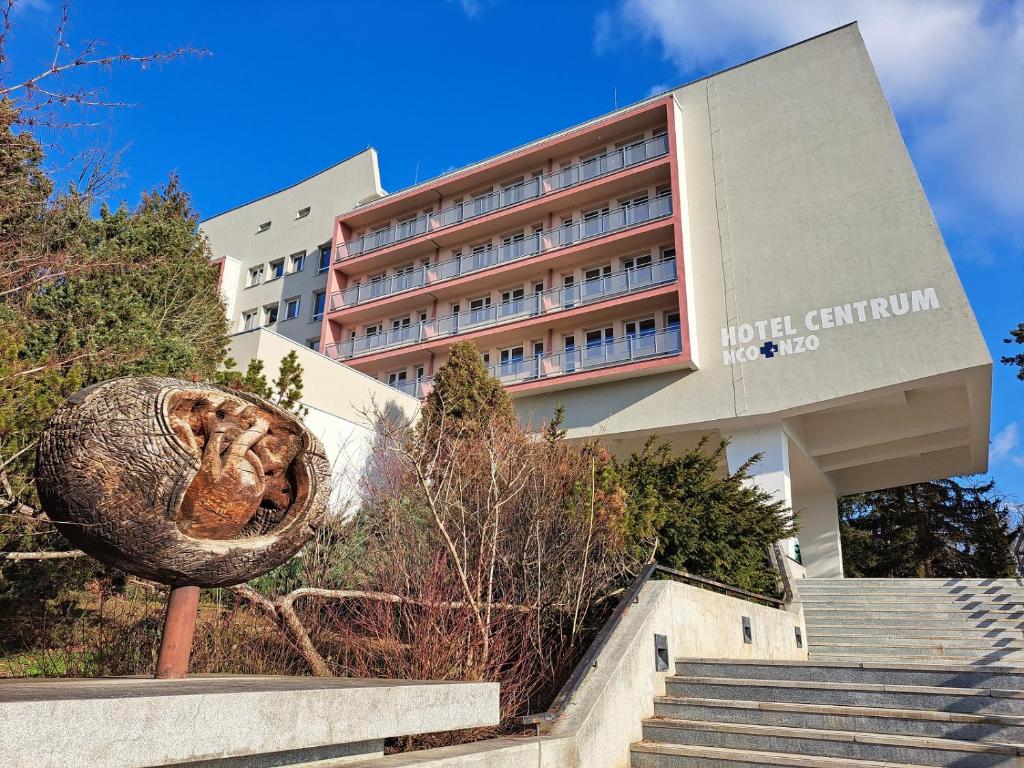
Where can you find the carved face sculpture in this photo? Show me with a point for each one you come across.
(181, 483)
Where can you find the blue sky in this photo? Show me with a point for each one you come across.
(290, 88)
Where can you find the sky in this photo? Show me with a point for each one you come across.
(288, 89)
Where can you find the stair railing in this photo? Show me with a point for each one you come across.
(631, 597)
(777, 558)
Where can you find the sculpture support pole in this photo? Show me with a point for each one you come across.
(179, 628)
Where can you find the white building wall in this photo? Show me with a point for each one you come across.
(235, 236)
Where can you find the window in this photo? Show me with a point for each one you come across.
(298, 261)
(314, 343)
(636, 262)
(263, 227)
(319, 299)
(420, 370)
(479, 309)
(270, 314)
(643, 327)
(600, 336)
(291, 309)
(595, 221)
(249, 320)
(325, 258)
(511, 361)
(302, 213)
(671, 320)
(397, 377)
(256, 275)
(277, 269)
(374, 330)
(596, 273)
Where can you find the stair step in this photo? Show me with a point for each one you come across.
(952, 582)
(858, 694)
(949, 640)
(805, 588)
(899, 622)
(831, 743)
(966, 609)
(943, 630)
(1004, 677)
(654, 755)
(900, 649)
(907, 722)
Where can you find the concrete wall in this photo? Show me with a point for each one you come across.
(232, 721)
(800, 196)
(341, 402)
(234, 235)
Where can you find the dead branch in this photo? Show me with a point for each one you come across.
(18, 556)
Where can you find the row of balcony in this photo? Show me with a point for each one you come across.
(608, 286)
(506, 197)
(590, 227)
(626, 349)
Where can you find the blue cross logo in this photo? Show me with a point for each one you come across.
(768, 349)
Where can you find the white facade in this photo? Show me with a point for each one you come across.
(251, 253)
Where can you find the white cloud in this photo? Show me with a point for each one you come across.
(1005, 442)
(953, 70)
(469, 7)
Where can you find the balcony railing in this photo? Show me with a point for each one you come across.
(592, 168)
(626, 349)
(620, 283)
(588, 228)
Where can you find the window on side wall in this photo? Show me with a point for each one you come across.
(256, 275)
(302, 213)
(298, 261)
(277, 269)
(250, 320)
(291, 308)
(263, 227)
(314, 343)
(270, 314)
(325, 258)
(319, 300)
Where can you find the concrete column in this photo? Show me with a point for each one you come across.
(771, 473)
(820, 547)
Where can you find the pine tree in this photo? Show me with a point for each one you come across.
(684, 511)
(285, 391)
(464, 391)
(943, 528)
(1016, 336)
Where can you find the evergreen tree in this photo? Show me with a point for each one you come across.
(944, 528)
(464, 391)
(83, 299)
(1016, 336)
(285, 391)
(686, 512)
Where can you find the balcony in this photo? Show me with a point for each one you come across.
(534, 244)
(627, 349)
(616, 284)
(588, 170)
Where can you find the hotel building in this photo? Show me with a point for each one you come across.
(749, 256)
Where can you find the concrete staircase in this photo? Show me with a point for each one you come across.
(909, 672)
